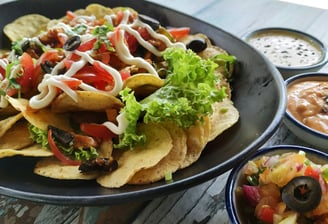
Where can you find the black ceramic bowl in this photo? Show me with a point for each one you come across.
(235, 204)
(258, 93)
(291, 51)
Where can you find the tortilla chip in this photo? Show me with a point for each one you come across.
(158, 145)
(170, 163)
(41, 118)
(86, 101)
(53, 168)
(197, 138)
(26, 26)
(224, 116)
(32, 151)
(98, 10)
(17, 137)
(143, 84)
(7, 123)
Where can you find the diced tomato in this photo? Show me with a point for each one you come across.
(119, 17)
(27, 79)
(310, 171)
(2, 72)
(11, 92)
(70, 15)
(58, 154)
(95, 76)
(96, 130)
(131, 41)
(88, 45)
(72, 83)
(102, 72)
(265, 214)
(125, 74)
(105, 58)
(143, 33)
(51, 56)
(179, 32)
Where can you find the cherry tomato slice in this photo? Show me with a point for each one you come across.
(96, 130)
(265, 214)
(27, 80)
(179, 32)
(58, 154)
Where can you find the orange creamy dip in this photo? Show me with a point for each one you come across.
(308, 103)
(287, 49)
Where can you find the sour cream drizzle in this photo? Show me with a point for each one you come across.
(48, 88)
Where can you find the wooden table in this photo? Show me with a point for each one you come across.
(204, 203)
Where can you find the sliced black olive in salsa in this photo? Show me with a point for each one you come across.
(302, 194)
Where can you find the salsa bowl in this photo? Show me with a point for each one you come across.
(245, 204)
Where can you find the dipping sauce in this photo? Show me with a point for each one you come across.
(286, 49)
(308, 103)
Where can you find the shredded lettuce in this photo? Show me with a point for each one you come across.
(132, 112)
(41, 137)
(187, 95)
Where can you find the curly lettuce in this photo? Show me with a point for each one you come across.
(189, 91)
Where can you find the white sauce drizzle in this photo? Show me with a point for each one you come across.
(122, 124)
(50, 84)
(124, 54)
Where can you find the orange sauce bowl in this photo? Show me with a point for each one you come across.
(307, 108)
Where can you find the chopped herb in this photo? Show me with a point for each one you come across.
(101, 33)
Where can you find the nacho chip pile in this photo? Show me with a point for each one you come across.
(110, 95)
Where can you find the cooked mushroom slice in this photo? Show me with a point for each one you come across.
(99, 164)
(302, 194)
(62, 136)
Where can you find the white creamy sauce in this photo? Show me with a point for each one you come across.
(51, 83)
(287, 49)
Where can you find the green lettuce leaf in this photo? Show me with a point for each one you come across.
(187, 96)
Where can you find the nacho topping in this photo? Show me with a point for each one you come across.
(111, 95)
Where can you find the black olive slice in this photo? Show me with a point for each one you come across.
(72, 43)
(25, 45)
(197, 45)
(46, 67)
(302, 194)
(153, 23)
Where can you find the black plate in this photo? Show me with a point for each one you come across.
(258, 93)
